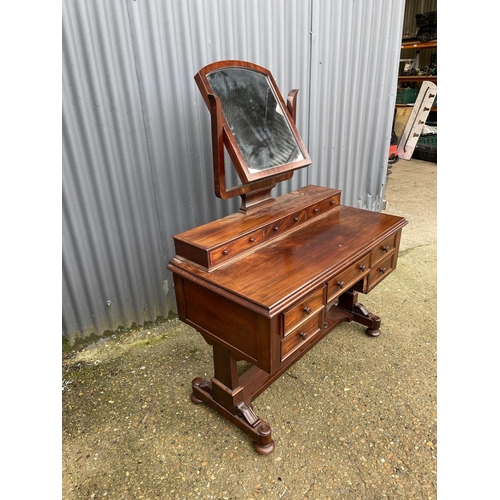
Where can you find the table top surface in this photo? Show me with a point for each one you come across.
(300, 258)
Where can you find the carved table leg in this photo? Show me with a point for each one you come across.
(224, 394)
(348, 302)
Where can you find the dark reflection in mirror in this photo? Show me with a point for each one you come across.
(255, 118)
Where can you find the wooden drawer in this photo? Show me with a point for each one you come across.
(235, 247)
(384, 249)
(344, 280)
(303, 310)
(323, 206)
(301, 335)
(380, 271)
(282, 225)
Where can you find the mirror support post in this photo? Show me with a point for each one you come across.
(291, 103)
(215, 108)
(256, 199)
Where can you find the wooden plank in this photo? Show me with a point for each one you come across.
(417, 78)
(416, 44)
(418, 117)
(402, 115)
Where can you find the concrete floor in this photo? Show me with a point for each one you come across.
(355, 418)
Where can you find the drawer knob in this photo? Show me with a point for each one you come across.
(295, 219)
(276, 228)
(340, 284)
(303, 335)
(252, 240)
(362, 267)
(385, 248)
(332, 202)
(382, 270)
(316, 210)
(225, 252)
(307, 310)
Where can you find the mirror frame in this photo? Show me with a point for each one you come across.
(228, 138)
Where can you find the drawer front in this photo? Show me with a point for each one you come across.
(323, 206)
(342, 281)
(380, 271)
(305, 309)
(383, 249)
(235, 247)
(300, 335)
(284, 224)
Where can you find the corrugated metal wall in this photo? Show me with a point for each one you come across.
(112, 247)
(136, 133)
(354, 64)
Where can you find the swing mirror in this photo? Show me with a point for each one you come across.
(251, 120)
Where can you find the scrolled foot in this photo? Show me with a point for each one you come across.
(200, 384)
(195, 400)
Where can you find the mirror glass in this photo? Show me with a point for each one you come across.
(256, 119)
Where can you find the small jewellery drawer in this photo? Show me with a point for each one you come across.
(342, 281)
(306, 308)
(300, 335)
(284, 224)
(323, 206)
(380, 271)
(235, 247)
(383, 249)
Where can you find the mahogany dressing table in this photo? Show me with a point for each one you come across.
(264, 285)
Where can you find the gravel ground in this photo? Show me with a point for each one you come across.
(355, 418)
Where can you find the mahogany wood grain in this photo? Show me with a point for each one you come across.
(305, 308)
(270, 303)
(345, 279)
(267, 284)
(291, 103)
(231, 324)
(205, 245)
(273, 273)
